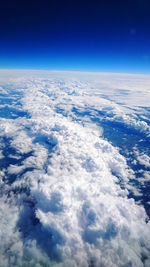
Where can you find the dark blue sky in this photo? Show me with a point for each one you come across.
(102, 35)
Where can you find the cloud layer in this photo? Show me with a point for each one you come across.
(64, 188)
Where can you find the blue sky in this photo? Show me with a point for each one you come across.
(76, 35)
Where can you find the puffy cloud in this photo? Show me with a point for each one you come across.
(11, 246)
(64, 184)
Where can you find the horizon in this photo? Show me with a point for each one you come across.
(75, 71)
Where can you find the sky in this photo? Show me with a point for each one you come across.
(102, 35)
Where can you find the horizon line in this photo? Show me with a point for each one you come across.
(74, 71)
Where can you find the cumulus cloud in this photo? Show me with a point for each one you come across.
(143, 159)
(66, 186)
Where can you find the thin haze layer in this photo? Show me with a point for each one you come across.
(71, 187)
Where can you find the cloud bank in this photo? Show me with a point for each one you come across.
(64, 188)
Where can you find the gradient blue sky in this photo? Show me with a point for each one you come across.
(102, 35)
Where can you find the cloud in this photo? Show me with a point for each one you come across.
(66, 186)
(142, 158)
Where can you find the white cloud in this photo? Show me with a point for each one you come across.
(144, 159)
(70, 200)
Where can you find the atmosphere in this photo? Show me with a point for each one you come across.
(75, 133)
(76, 35)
